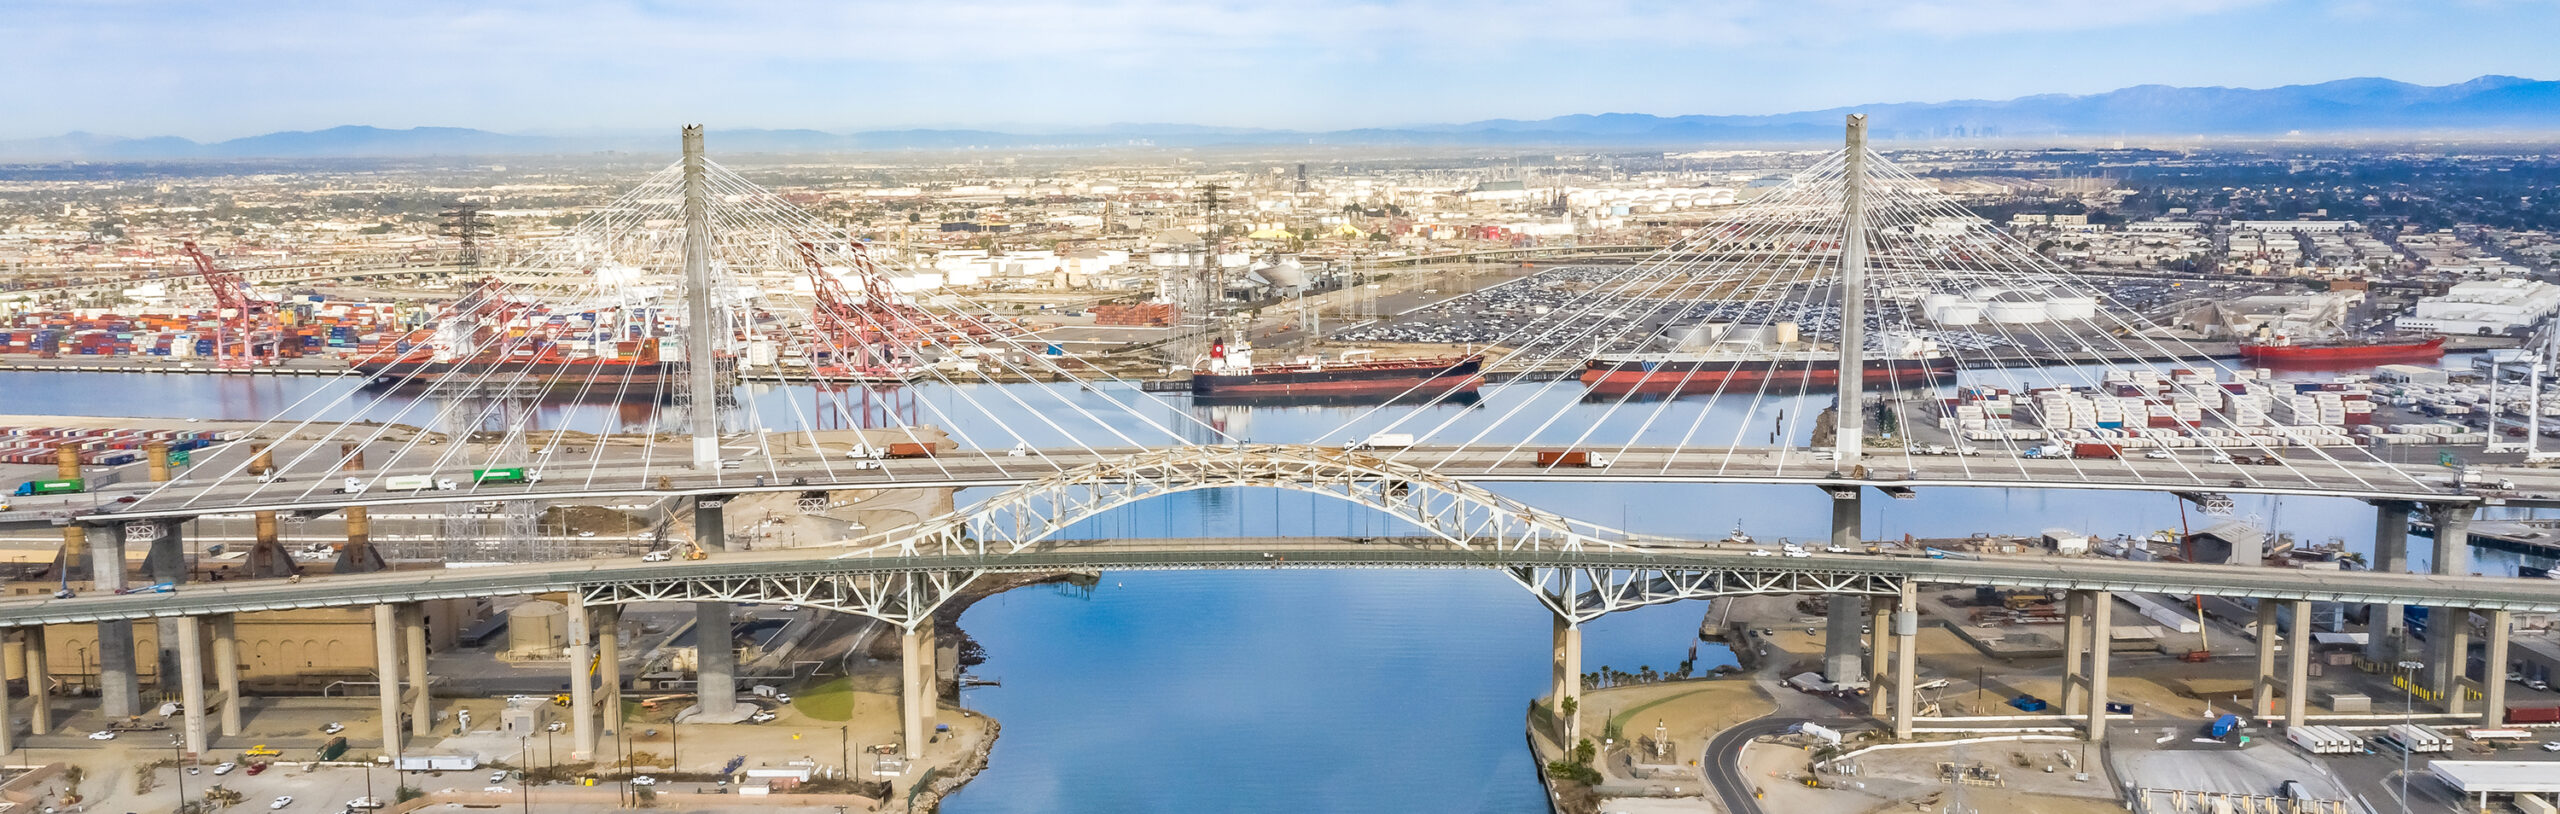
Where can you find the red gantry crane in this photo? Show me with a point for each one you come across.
(238, 312)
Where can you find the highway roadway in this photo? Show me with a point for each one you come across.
(792, 573)
(620, 472)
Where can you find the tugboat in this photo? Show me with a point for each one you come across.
(1229, 375)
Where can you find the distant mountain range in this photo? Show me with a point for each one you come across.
(2346, 106)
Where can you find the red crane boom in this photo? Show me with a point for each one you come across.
(230, 294)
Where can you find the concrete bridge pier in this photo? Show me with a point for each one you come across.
(226, 670)
(715, 662)
(1906, 661)
(2297, 671)
(386, 661)
(39, 673)
(190, 678)
(119, 677)
(2385, 628)
(1566, 675)
(2449, 629)
(608, 632)
(8, 725)
(1842, 653)
(2262, 696)
(358, 555)
(582, 697)
(413, 639)
(1880, 654)
(918, 685)
(164, 561)
(2493, 682)
(2088, 645)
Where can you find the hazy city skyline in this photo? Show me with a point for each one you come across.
(145, 68)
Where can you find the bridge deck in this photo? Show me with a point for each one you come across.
(2532, 595)
(631, 473)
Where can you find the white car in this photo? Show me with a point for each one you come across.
(654, 556)
(1761, 552)
(497, 777)
(1799, 553)
(280, 802)
(644, 780)
(224, 769)
(761, 716)
(102, 735)
(555, 726)
(2553, 746)
(2157, 455)
(364, 802)
(333, 728)
(1835, 549)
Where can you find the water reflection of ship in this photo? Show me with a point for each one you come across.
(1719, 358)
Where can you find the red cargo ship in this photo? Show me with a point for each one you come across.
(635, 363)
(2286, 352)
(1753, 372)
(1230, 375)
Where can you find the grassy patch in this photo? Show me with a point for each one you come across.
(831, 700)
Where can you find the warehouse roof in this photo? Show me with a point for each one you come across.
(2497, 776)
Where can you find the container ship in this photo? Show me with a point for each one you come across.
(1230, 375)
(2282, 351)
(524, 362)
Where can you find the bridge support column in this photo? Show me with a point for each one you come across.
(916, 685)
(2262, 700)
(8, 727)
(267, 558)
(2449, 633)
(2386, 636)
(386, 670)
(710, 525)
(119, 678)
(39, 672)
(582, 696)
(190, 676)
(2297, 659)
(1841, 650)
(358, 555)
(2449, 629)
(1565, 674)
(2075, 650)
(609, 664)
(413, 639)
(715, 662)
(1906, 662)
(2493, 681)
(164, 560)
(1879, 653)
(75, 560)
(2089, 618)
(226, 670)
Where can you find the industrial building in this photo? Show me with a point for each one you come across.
(2484, 308)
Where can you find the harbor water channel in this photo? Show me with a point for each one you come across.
(1290, 691)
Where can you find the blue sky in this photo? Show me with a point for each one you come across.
(212, 70)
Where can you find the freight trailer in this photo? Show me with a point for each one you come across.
(2416, 738)
(1570, 457)
(2324, 740)
(2533, 715)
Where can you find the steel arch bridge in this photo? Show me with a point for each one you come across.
(1455, 511)
(1456, 516)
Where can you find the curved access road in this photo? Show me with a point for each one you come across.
(1722, 761)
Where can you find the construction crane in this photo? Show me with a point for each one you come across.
(239, 312)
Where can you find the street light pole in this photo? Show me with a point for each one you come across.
(179, 769)
(2408, 705)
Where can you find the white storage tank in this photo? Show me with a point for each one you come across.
(2071, 308)
(2015, 312)
(538, 629)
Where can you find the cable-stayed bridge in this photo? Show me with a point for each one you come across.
(1723, 359)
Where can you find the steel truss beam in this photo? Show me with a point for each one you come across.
(1584, 594)
(903, 599)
